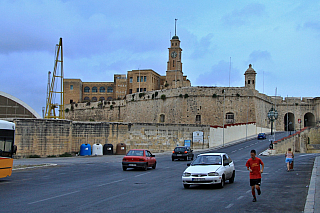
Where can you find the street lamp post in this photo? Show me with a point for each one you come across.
(272, 115)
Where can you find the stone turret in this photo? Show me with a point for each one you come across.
(250, 78)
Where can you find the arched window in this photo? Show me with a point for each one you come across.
(109, 90)
(87, 89)
(86, 99)
(94, 89)
(101, 99)
(162, 118)
(229, 118)
(94, 98)
(102, 89)
(109, 98)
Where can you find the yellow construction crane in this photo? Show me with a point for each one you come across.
(52, 89)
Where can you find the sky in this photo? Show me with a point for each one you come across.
(219, 39)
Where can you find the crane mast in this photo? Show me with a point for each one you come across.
(52, 90)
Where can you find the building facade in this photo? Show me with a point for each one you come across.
(136, 81)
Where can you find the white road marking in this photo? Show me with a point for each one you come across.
(142, 174)
(239, 198)
(116, 181)
(50, 198)
(248, 191)
(229, 206)
(240, 149)
(233, 151)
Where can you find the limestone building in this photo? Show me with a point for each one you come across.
(77, 91)
(144, 96)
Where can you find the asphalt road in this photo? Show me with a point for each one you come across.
(98, 184)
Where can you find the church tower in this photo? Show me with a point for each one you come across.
(250, 78)
(174, 74)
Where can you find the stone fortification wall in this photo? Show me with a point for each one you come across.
(107, 111)
(304, 141)
(45, 137)
(185, 105)
(182, 105)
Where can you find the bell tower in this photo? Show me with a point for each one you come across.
(174, 74)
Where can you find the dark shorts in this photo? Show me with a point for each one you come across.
(254, 182)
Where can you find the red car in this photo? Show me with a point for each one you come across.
(139, 158)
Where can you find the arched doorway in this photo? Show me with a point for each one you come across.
(309, 120)
(288, 122)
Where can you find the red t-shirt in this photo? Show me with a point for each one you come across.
(254, 165)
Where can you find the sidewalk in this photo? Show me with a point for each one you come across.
(313, 198)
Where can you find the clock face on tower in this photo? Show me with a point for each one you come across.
(173, 54)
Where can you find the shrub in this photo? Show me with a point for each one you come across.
(180, 95)
(238, 95)
(111, 107)
(214, 95)
(163, 97)
(51, 156)
(66, 110)
(155, 94)
(66, 154)
(34, 156)
(141, 94)
(186, 95)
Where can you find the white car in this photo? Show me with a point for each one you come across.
(209, 168)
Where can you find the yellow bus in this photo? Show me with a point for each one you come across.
(7, 148)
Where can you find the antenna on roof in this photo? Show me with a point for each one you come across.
(175, 27)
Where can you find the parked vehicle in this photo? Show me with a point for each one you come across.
(182, 152)
(262, 136)
(209, 168)
(139, 158)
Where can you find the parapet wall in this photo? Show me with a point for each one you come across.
(305, 141)
(46, 137)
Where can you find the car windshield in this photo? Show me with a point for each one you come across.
(179, 149)
(261, 134)
(207, 160)
(135, 153)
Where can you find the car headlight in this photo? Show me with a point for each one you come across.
(213, 174)
(186, 174)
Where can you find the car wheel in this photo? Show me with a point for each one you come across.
(124, 168)
(186, 186)
(145, 168)
(232, 178)
(154, 165)
(222, 182)
(172, 159)
(186, 158)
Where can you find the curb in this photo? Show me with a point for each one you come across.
(310, 201)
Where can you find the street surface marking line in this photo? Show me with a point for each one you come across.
(248, 191)
(50, 198)
(142, 174)
(233, 151)
(229, 206)
(239, 198)
(116, 181)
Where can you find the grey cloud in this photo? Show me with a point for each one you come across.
(259, 55)
(202, 47)
(219, 75)
(242, 16)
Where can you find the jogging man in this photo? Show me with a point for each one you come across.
(253, 165)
